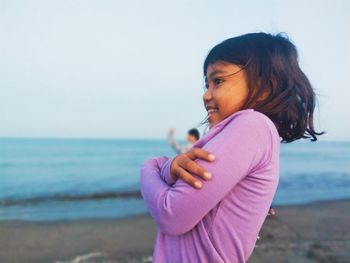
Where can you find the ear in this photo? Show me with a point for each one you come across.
(263, 96)
(257, 90)
(267, 89)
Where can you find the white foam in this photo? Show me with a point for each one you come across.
(82, 258)
(147, 259)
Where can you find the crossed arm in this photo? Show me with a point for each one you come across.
(174, 204)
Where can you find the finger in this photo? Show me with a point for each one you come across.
(188, 178)
(198, 153)
(194, 168)
(177, 164)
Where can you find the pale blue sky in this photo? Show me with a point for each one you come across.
(132, 69)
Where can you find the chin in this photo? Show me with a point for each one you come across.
(213, 120)
(212, 124)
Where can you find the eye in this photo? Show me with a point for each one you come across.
(217, 81)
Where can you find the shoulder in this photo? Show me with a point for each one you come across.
(251, 121)
(256, 133)
(248, 135)
(244, 124)
(251, 115)
(252, 129)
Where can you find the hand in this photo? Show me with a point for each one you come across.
(272, 211)
(183, 166)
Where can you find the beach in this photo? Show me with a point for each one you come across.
(317, 232)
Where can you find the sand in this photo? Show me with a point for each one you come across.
(318, 232)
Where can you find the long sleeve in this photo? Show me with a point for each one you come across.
(242, 146)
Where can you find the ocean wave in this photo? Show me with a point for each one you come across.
(327, 180)
(70, 198)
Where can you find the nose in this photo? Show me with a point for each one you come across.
(207, 96)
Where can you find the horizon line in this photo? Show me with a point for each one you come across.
(122, 138)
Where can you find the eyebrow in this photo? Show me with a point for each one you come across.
(215, 72)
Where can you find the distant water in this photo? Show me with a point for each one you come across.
(53, 179)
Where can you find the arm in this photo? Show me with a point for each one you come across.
(238, 147)
(177, 148)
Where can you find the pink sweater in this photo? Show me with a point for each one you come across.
(221, 221)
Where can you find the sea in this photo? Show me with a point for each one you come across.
(71, 179)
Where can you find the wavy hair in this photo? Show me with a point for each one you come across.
(277, 86)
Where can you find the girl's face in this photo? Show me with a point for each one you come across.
(226, 91)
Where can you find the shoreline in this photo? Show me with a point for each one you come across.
(313, 232)
(131, 215)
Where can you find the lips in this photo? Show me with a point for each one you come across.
(211, 109)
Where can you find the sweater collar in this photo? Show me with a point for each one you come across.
(218, 127)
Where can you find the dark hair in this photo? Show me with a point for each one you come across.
(194, 132)
(277, 86)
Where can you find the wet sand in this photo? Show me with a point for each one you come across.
(318, 232)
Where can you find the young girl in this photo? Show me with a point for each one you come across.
(212, 210)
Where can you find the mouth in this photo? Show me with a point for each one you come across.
(211, 110)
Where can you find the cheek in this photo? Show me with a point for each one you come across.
(224, 102)
(230, 102)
